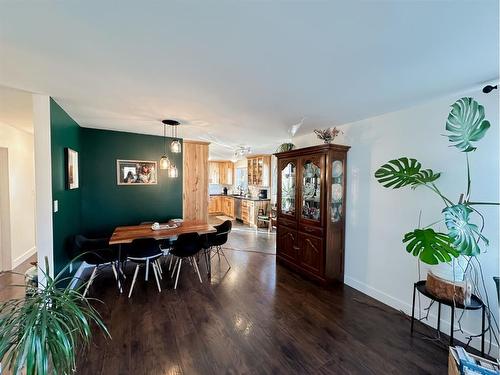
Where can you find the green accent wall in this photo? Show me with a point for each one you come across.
(99, 204)
(106, 205)
(64, 132)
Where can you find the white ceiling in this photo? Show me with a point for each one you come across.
(16, 109)
(244, 72)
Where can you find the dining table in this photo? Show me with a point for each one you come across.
(124, 235)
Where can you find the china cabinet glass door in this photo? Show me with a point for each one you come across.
(288, 183)
(311, 189)
(337, 183)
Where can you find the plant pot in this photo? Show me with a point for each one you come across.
(447, 290)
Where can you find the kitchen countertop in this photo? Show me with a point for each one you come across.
(240, 197)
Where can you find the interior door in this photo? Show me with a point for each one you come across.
(311, 194)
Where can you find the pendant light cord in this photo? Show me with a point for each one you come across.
(165, 138)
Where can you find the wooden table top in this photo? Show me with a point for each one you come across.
(127, 234)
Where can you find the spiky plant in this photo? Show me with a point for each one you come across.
(42, 331)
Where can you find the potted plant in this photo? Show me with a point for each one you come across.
(466, 125)
(41, 332)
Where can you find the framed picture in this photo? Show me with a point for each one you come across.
(71, 169)
(136, 172)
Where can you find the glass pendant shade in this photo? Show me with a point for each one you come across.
(173, 172)
(164, 162)
(176, 147)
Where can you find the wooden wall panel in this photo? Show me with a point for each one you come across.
(195, 181)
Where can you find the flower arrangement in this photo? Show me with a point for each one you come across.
(327, 135)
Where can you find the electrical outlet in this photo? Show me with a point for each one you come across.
(56, 206)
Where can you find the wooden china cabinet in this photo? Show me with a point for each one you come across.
(311, 211)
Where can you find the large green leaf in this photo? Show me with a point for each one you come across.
(465, 235)
(431, 247)
(402, 172)
(466, 124)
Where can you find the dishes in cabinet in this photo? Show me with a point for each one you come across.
(337, 169)
(337, 192)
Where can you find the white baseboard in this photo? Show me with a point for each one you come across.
(23, 257)
(406, 308)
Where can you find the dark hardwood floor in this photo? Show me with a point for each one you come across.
(256, 318)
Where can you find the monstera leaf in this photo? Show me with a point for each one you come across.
(466, 124)
(402, 172)
(431, 247)
(465, 235)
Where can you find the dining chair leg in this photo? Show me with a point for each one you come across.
(120, 269)
(116, 277)
(175, 267)
(178, 272)
(170, 263)
(147, 270)
(155, 271)
(158, 268)
(133, 281)
(197, 270)
(224, 255)
(208, 260)
(90, 281)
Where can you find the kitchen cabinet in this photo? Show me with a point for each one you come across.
(220, 204)
(213, 172)
(311, 211)
(226, 172)
(221, 172)
(228, 206)
(259, 170)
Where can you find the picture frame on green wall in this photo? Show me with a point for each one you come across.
(72, 180)
(136, 172)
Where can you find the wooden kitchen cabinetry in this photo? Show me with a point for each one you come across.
(259, 170)
(220, 204)
(311, 211)
(221, 172)
(215, 205)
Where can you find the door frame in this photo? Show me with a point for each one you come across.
(5, 238)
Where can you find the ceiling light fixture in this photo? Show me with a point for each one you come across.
(164, 160)
(241, 151)
(175, 146)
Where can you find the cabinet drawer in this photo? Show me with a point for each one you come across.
(244, 203)
(287, 222)
(315, 231)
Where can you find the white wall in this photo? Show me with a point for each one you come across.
(21, 174)
(376, 261)
(43, 179)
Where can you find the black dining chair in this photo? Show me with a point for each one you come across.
(144, 251)
(95, 252)
(165, 246)
(215, 241)
(187, 246)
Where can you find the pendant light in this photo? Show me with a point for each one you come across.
(175, 146)
(164, 160)
(173, 172)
